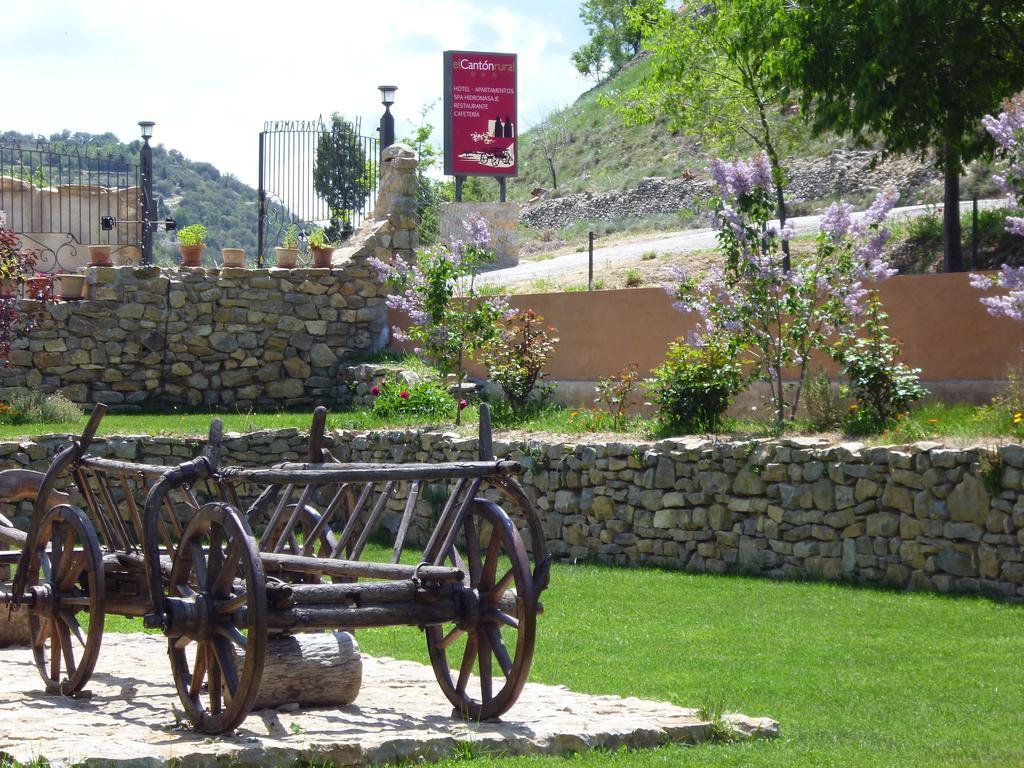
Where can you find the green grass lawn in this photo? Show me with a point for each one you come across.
(855, 676)
(925, 422)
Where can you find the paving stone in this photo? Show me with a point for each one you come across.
(400, 715)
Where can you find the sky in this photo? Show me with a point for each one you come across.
(210, 74)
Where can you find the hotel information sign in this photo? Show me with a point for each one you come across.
(480, 120)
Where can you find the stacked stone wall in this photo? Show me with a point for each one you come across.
(917, 517)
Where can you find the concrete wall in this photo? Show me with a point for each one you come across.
(502, 224)
(912, 517)
(946, 332)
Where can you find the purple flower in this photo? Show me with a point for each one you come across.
(837, 220)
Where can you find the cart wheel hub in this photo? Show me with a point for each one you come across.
(43, 601)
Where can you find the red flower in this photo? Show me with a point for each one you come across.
(375, 391)
(404, 394)
(462, 403)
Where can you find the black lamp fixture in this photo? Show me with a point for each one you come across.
(387, 120)
(147, 129)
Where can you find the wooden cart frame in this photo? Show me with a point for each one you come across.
(176, 546)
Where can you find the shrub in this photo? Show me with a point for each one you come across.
(616, 392)
(516, 359)
(633, 278)
(424, 399)
(821, 402)
(291, 238)
(33, 407)
(693, 387)
(881, 387)
(193, 234)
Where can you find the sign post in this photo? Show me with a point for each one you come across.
(481, 136)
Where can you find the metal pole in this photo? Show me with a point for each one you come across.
(458, 188)
(590, 252)
(974, 233)
(261, 216)
(148, 214)
(501, 188)
(387, 129)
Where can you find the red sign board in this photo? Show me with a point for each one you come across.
(481, 126)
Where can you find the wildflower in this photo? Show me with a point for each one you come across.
(853, 407)
(462, 403)
(1017, 418)
(375, 391)
(404, 394)
(933, 421)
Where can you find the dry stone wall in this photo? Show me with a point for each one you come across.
(230, 338)
(919, 517)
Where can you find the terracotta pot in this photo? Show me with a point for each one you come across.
(322, 256)
(99, 256)
(69, 286)
(191, 255)
(39, 288)
(233, 257)
(287, 258)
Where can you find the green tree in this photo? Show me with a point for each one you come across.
(921, 73)
(616, 33)
(340, 174)
(715, 71)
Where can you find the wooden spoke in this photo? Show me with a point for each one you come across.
(182, 642)
(69, 619)
(232, 634)
(54, 652)
(500, 588)
(500, 651)
(226, 662)
(232, 605)
(221, 586)
(65, 644)
(199, 563)
(508, 621)
(473, 550)
(468, 661)
(73, 571)
(486, 687)
(450, 638)
(199, 672)
(40, 637)
(213, 680)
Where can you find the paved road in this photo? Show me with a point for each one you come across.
(675, 242)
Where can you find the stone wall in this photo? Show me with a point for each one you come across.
(851, 174)
(234, 338)
(918, 517)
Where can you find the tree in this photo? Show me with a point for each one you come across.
(616, 32)
(548, 138)
(340, 174)
(920, 73)
(715, 72)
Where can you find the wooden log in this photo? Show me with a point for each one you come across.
(23, 485)
(323, 669)
(13, 624)
(277, 563)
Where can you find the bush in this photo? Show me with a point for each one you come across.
(615, 393)
(425, 399)
(516, 359)
(881, 387)
(821, 402)
(40, 408)
(693, 387)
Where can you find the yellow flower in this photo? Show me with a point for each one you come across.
(933, 421)
(1017, 417)
(853, 407)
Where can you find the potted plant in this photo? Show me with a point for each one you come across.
(288, 253)
(233, 257)
(39, 287)
(99, 256)
(68, 286)
(322, 251)
(191, 242)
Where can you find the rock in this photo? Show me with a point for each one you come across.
(969, 501)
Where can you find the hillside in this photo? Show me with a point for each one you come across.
(188, 190)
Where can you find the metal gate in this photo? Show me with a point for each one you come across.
(54, 196)
(314, 174)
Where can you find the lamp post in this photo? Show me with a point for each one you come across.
(387, 120)
(148, 212)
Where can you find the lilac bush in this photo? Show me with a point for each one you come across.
(1008, 131)
(16, 264)
(449, 320)
(778, 318)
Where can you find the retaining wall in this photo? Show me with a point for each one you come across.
(917, 517)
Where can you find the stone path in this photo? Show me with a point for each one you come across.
(400, 715)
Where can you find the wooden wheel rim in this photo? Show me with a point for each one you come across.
(477, 699)
(229, 693)
(73, 584)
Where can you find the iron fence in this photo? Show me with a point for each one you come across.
(314, 173)
(54, 196)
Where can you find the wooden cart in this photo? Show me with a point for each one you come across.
(178, 546)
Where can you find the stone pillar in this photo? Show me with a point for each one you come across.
(502, 223)
(396, 198)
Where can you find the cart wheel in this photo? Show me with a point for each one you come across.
(502, 628)
(66, 578)
(217, 619)
(299, 542)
